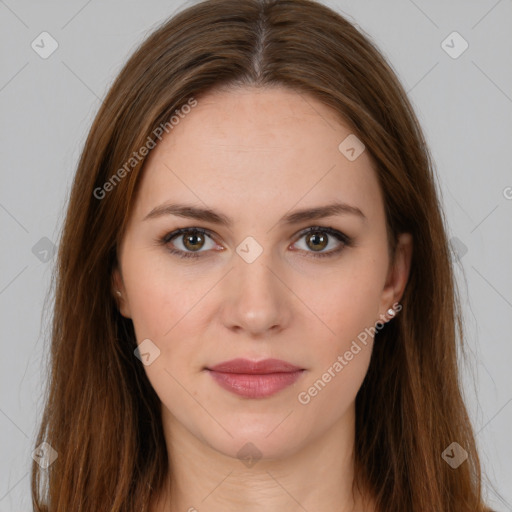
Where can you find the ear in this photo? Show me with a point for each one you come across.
(119, 293)
(398, 273)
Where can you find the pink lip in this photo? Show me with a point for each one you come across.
(255, 379)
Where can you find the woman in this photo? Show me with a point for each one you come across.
(255, 307)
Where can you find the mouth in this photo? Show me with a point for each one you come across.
(255, 379)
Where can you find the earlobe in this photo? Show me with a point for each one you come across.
(119, 293)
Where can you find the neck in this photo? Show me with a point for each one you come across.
(318, 476)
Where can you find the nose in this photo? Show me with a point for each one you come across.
(258, 302)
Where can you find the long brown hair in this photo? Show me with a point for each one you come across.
(102, 416)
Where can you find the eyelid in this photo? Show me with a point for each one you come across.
(166, 239)
(344, 239)
(331, 231)
(180, 231)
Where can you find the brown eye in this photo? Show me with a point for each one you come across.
(193, 241)
(188, 242)
(316, 240)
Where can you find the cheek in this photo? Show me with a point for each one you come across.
(164, 309)
(342, 356)
(330, 393)
(159, 295)
(167, 306)
(349, 312)
(148, 296)
(352, 302)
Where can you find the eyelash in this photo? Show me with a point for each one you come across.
(341, 237)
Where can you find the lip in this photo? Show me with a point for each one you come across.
(247, 366)
(255, 379)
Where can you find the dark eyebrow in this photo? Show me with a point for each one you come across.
(209, 215)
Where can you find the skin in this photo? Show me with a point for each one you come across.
(255, 155)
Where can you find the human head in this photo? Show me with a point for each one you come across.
(321, 55)
(255, 288)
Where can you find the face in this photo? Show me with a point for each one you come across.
(260, 278)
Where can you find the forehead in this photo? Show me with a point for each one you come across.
(251, 148)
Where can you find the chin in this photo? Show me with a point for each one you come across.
(266, 438)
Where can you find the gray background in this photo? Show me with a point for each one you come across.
(464, 105)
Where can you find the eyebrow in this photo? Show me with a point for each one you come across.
(208, 215)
